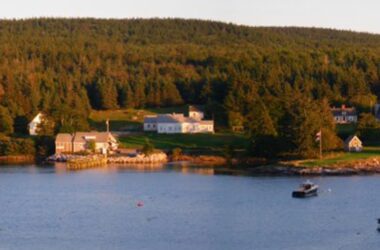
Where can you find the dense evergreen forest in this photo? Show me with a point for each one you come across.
(276, 82)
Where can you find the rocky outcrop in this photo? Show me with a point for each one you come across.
(139, 159)
(201, 159)
(363, 167)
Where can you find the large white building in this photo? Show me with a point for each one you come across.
(179, 123)
(345, 115)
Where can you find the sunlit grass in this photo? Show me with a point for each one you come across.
(187, 141)
(367, 153)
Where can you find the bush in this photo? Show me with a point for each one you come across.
(12, 146)
(229, 153)
(92, 146)
(268, 146)
(45, 146)
(148, 148)
(176, 154)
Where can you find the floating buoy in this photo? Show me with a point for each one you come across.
(140, 204)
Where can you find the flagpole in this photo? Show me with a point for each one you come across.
(320, 146)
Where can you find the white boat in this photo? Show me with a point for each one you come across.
(306, 189)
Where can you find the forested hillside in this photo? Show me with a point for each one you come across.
(274, 81)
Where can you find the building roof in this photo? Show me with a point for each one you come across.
(150, 119)
(100, 137)
(350, 111)
(62, 138)
(36, 117)
(206, 122)
(193, 108)
(349, 139)
(175, 118)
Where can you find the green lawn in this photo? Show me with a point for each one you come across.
(215, 142)
(127, 119)
(120, 120)
(368, 152)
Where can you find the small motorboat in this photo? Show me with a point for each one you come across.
(306, 189)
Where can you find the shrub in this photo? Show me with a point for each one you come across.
(148, 148)
(176, 154)
(12, 146)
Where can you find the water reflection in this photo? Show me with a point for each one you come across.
(184, 168)
(121, 207)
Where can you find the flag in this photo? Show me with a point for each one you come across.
(318, 136)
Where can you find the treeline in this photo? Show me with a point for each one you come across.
(244, 75)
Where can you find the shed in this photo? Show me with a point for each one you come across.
(353, 144)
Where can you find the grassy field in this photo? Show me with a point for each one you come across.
(367, 153)
(120, 120)
(127, 119)
(214, 142)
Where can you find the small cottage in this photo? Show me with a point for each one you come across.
(353, 144)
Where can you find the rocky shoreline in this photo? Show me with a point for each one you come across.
(363, 167)
(158, 157)
(17, 159)
(219, 164)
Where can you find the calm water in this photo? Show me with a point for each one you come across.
(97, 209)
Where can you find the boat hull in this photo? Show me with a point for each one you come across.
(304, 194)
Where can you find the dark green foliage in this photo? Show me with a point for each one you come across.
(148, 148)
(302, 119)
(92, 146)
(17, 146)
(368, 128)
(20, 125)
(44, 146)
(269, 146)
(242, 75)
(6, 121)
(46, 127)
(229, 153)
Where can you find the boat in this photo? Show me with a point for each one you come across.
(306, 189)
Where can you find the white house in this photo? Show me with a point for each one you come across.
(33, 125)
(344, 115)
(196, 113)
(178, 123)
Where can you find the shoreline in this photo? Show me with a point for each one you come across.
(239, 166)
